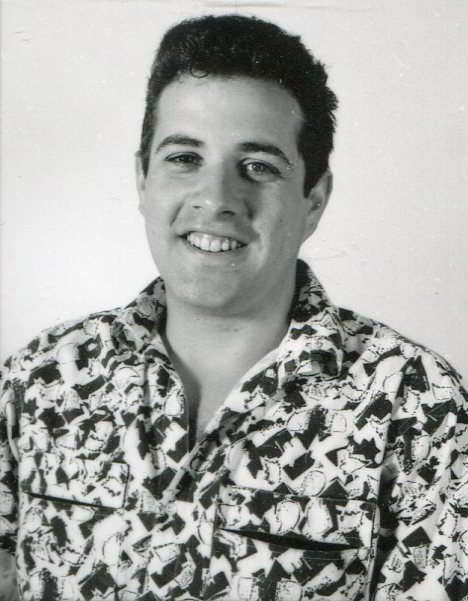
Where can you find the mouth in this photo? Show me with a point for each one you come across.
(211, 243)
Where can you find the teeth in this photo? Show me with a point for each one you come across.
(215, 246)
(212, 244)
(205, 243)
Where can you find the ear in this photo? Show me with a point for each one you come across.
(318, 200)
(140, 179)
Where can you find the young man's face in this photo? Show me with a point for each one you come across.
(223, 198)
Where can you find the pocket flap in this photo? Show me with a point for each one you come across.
(346, 522)
(68, 478)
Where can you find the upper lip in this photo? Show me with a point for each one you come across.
(219, 234)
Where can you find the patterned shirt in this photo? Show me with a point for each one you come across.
(335, 470)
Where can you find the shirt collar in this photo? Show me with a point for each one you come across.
(313, 342)
(140, 322)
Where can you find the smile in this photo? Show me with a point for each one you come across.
(211, 243)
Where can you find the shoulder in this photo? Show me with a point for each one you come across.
(393, 361)
(66, 342)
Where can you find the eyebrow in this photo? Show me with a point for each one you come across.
(267, 148)
(179, 140)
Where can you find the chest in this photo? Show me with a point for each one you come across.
(291, 475)
(205, 406)
(205, 397)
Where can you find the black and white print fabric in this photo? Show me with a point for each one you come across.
(335, 471)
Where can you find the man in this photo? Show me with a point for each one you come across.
(231, 434)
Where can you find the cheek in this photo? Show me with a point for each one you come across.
(163, 199)
(152, 234)
(285, 226)
(155, 204)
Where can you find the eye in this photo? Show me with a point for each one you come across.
(260, 171)
(184, 160)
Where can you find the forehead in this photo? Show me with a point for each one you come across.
(233, 107)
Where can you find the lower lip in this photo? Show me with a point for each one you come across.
(227, 254)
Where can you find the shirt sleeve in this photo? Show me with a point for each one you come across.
(8, 463)
(423, 545)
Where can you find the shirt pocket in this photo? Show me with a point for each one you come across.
(71, 526)
(270, 546)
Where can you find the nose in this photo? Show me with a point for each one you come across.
(221, 192)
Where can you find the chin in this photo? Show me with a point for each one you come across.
(207, 298)
(202, 289)
(216, 303)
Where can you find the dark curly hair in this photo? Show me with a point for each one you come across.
(230, 45)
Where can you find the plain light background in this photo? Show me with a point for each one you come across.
(393, 243)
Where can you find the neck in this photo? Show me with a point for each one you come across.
(204, 345)
(193, 331)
